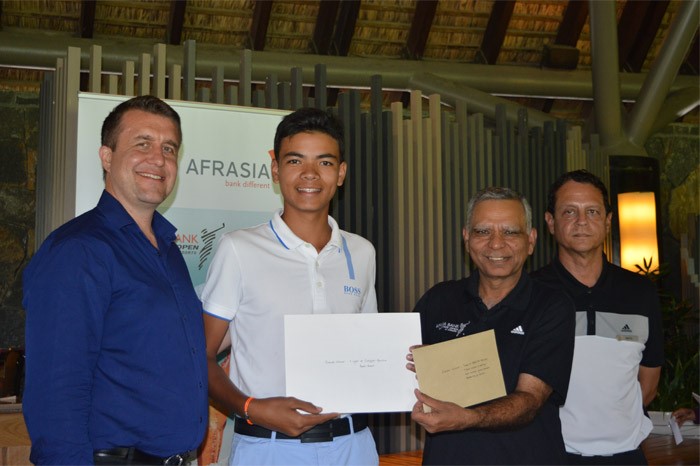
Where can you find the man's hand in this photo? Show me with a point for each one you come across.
(511, 411)
(280, 414)
(684, 415)
(409, 357)
(443, 416)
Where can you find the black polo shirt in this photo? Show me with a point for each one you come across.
(618, 327)
(618, 292)
(534, 327)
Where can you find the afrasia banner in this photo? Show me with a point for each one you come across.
(224, 179)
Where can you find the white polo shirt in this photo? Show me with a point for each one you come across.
(260, 274)
(604, 413)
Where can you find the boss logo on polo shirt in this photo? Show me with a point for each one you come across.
(457, 329)
(352, 290)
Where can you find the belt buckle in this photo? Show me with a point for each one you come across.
(321, 433)
(174, 460)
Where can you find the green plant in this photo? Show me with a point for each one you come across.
(680, 375)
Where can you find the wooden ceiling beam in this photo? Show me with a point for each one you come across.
(259, 25)
(342, 37)
(647, 33)
(572, 23)
(569, 31)
(87, 18)
(495, 32)
(629, 27)
(345, 27)
(176, 22)
(325, 23)
(420, 29)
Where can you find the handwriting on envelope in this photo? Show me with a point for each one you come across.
(466, 370)
(351, 363)
(358, 362)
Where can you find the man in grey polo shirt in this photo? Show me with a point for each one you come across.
(619, 342)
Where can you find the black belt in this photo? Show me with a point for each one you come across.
(131, 455)
(320, 433)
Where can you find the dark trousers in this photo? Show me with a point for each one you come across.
(632, 457)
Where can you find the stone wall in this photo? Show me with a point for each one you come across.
(676, 147)
(19, 134)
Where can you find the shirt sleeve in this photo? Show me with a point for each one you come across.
(222, 289)
(67, 292)
(653, 354)
(369, 302)
(422, 307)
(550, 351)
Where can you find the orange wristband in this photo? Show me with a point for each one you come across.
(245, 410)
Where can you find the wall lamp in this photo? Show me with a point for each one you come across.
(637, 219)
(634, 196)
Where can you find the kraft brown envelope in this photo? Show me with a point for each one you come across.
(465, 371)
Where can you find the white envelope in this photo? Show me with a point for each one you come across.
(351, 363)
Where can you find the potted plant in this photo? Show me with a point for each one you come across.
(680, 374)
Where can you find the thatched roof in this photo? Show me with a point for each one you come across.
(503, 32)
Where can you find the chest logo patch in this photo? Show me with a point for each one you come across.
(457, 329)
(352, 290)
(518, 330)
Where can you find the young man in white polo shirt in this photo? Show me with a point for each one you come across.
(299, 262)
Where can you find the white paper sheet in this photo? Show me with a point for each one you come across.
(351, 363)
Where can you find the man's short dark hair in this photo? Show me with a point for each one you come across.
(146, 103)
(307, 120)
(579, 176)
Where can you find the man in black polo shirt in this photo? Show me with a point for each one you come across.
(534, 329)
(619, 342)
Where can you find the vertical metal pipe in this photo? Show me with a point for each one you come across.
(271, 91)
(398, 200)
(70, 138)
(321, 86)
(128, 71)
(297, 89)
(159, 66)
(606, 78)
(174, 81)
(437, 203)
(145, 74)
(245, 92)
(217, 85)
(44, 180)
(189, 65)
(95, 79)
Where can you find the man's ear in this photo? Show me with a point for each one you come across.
(106, 158)
(342, 171)
(531, 241)
(274, 168)
(549, 220)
